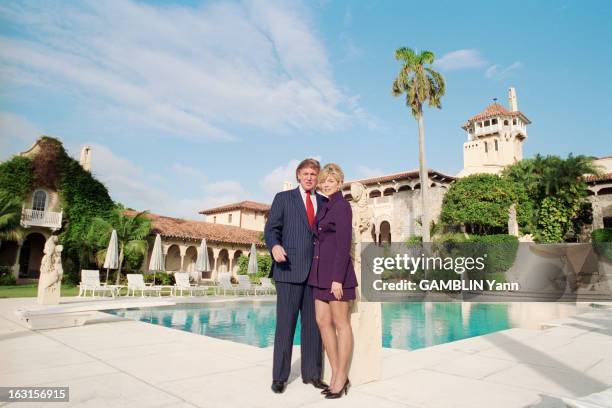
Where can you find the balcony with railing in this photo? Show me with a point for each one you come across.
(37, 218)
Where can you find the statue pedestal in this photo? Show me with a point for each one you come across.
(49, 296)
(366, 361)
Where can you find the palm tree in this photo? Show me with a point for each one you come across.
(132, 232)
(10, 215)
(421, 84)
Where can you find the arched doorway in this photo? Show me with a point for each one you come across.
(235, 265)
(8, 253)
(173, 259)
(30, 256)
(191, 256)
(223, 262)
(385, 232)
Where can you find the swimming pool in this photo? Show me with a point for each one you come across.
(407, 326)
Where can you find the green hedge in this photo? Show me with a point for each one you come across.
(500, 250)
(602, 242)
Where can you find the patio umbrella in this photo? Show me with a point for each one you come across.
(253, 267)
(111, 260)
(157, 257)
(202, 262)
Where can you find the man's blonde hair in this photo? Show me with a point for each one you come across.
(331, 169)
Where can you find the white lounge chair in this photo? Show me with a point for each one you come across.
(182, 283)
(266, 286)
(136, 282)
(245, 285)
(225, 285)
(90, 281)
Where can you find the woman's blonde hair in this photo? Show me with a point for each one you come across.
(331, 169)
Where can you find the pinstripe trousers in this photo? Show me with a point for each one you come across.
(291, 299)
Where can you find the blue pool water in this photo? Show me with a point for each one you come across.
(406, 326)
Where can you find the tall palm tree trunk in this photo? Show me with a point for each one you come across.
(424, 178)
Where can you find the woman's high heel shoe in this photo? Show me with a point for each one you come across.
(344, 390)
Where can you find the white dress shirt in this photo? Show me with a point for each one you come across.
(313, 198)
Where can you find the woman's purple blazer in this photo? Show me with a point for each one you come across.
(332, 245)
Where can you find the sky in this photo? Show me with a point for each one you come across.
(193, 104)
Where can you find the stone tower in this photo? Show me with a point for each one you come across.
(494, 138)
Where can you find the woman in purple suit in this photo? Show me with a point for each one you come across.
(333, 278)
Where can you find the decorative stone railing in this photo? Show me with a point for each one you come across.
(36, 218)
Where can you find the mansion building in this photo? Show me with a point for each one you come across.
(494, 140)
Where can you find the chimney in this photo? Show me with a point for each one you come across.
(512, 102)
(85, 160)
(287, 185)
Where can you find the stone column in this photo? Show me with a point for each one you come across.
(230, 254)
(215, 272)
(182, 251)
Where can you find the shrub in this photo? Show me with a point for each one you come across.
(6, 276)
(602, 242)
(264, 264)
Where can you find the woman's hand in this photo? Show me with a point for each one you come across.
(336, 289)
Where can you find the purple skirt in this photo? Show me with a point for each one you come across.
(326, 295)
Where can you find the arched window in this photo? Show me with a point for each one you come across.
(496, 148)
(39, 200)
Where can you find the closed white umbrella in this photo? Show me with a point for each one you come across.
(253, 267)
(157, 257)
(111, 260)
(202, 262)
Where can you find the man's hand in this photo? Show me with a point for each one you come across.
(336, 289)
(279, 254)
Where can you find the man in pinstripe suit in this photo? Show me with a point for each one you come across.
(289, 237)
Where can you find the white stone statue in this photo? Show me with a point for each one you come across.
(51, 272)
(513, 228)
(366, 319)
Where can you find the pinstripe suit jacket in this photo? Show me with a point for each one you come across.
(287, 226)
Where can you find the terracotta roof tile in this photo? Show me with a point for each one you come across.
(196, 230)
(601, 177)
(495, 109)
(248, 205)
(397, 177)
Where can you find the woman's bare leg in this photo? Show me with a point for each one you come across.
(342, 322)
(328, 334)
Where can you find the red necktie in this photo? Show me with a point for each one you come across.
(310, 210)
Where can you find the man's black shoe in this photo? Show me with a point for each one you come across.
(279, 386)
(317, 383)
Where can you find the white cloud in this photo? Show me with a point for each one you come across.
(15, 133)
(134, 187)
(272, 183)
(499, 72)
(460, 59)
(182, 71)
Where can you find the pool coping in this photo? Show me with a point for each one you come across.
(121, 361)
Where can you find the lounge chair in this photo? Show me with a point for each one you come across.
(136, 282)
(245, 285)
(266, 286)
(90, 280)
(225, 285)
(182, 283)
